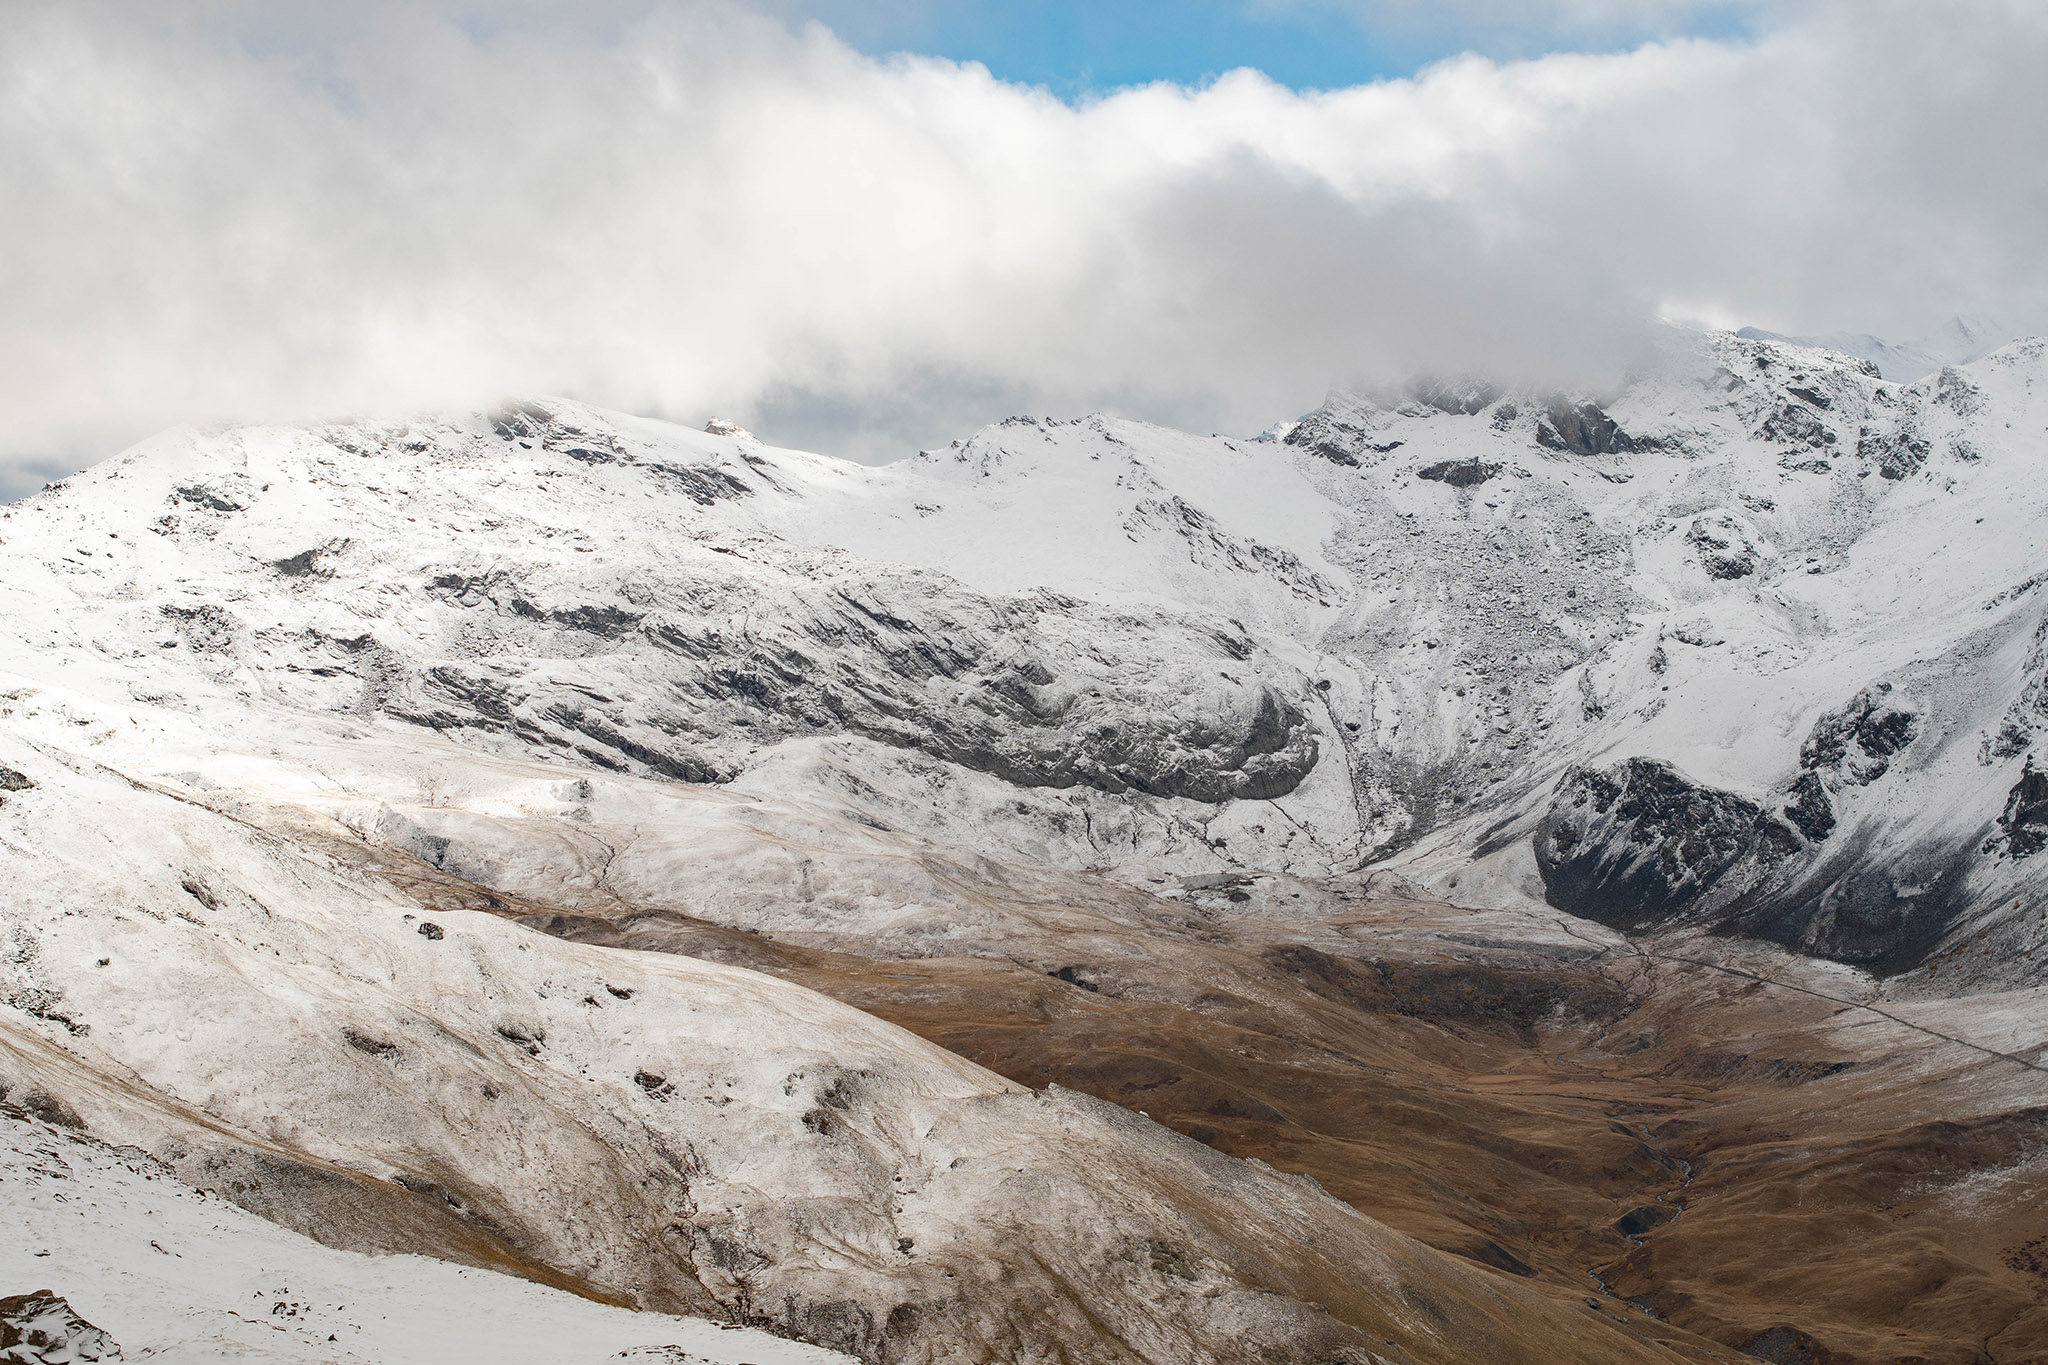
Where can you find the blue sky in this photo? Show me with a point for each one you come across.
(1074, 47)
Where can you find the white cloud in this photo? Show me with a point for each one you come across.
(700, 210)
(1561, 16)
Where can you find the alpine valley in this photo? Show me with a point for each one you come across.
(1473, 875)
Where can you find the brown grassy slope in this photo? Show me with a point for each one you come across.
(1844, 1189)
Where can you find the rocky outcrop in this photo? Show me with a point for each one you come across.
(2023, 825)
(536, 424)
(1895, 454)
(1724, 547)
(1808, 807)
(1796, 424)
(1858, 740)
(1582, 429)
(1640, 844)
(2027, 716)
(42, 1329)
(1340, 442)
(1851, 746)
(1157, 705)
(1460, 473)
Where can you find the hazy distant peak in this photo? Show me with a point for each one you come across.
(1958, 341)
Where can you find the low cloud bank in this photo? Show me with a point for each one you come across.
(701, 207)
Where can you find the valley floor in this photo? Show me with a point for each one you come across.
(1705, 1134)
(1710, 1140)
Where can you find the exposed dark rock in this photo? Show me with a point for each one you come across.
(1639, 1221)
(363, 1042)
(1582, 429)
(2010, 739)
(1859, 739)
(1337, 442)
(1459, 473)
(1208, 543)
(677, 763)
(1639, 843)
(12, 781)
(300, 565)
(529, 1043)
(207, 629)
(2023, 826)
(1108, 735)
(1638, 846)
(1724, 549)
(463, 589)
(431, 930)
(1883, 913)
(1896, 454)
(47, 1108)
(1809, 807)
(1956, 391)
(41, 1002)
(606, 621)
(1591, 707)
(907, 659)
(1796, 425)
(703, 484)
(1073, 977)
(212, 499)
(2028, 714)
(490, 699)
(42, 1329)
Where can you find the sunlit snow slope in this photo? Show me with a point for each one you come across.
(175, 1276)
(1757, 646)
(1810, 601)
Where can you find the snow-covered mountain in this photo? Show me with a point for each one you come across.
(1959, 341)
(1812, 595)
(296, 721)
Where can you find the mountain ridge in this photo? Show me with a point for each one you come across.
(1958, 341)
(1464, 724)
(1107, 610)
